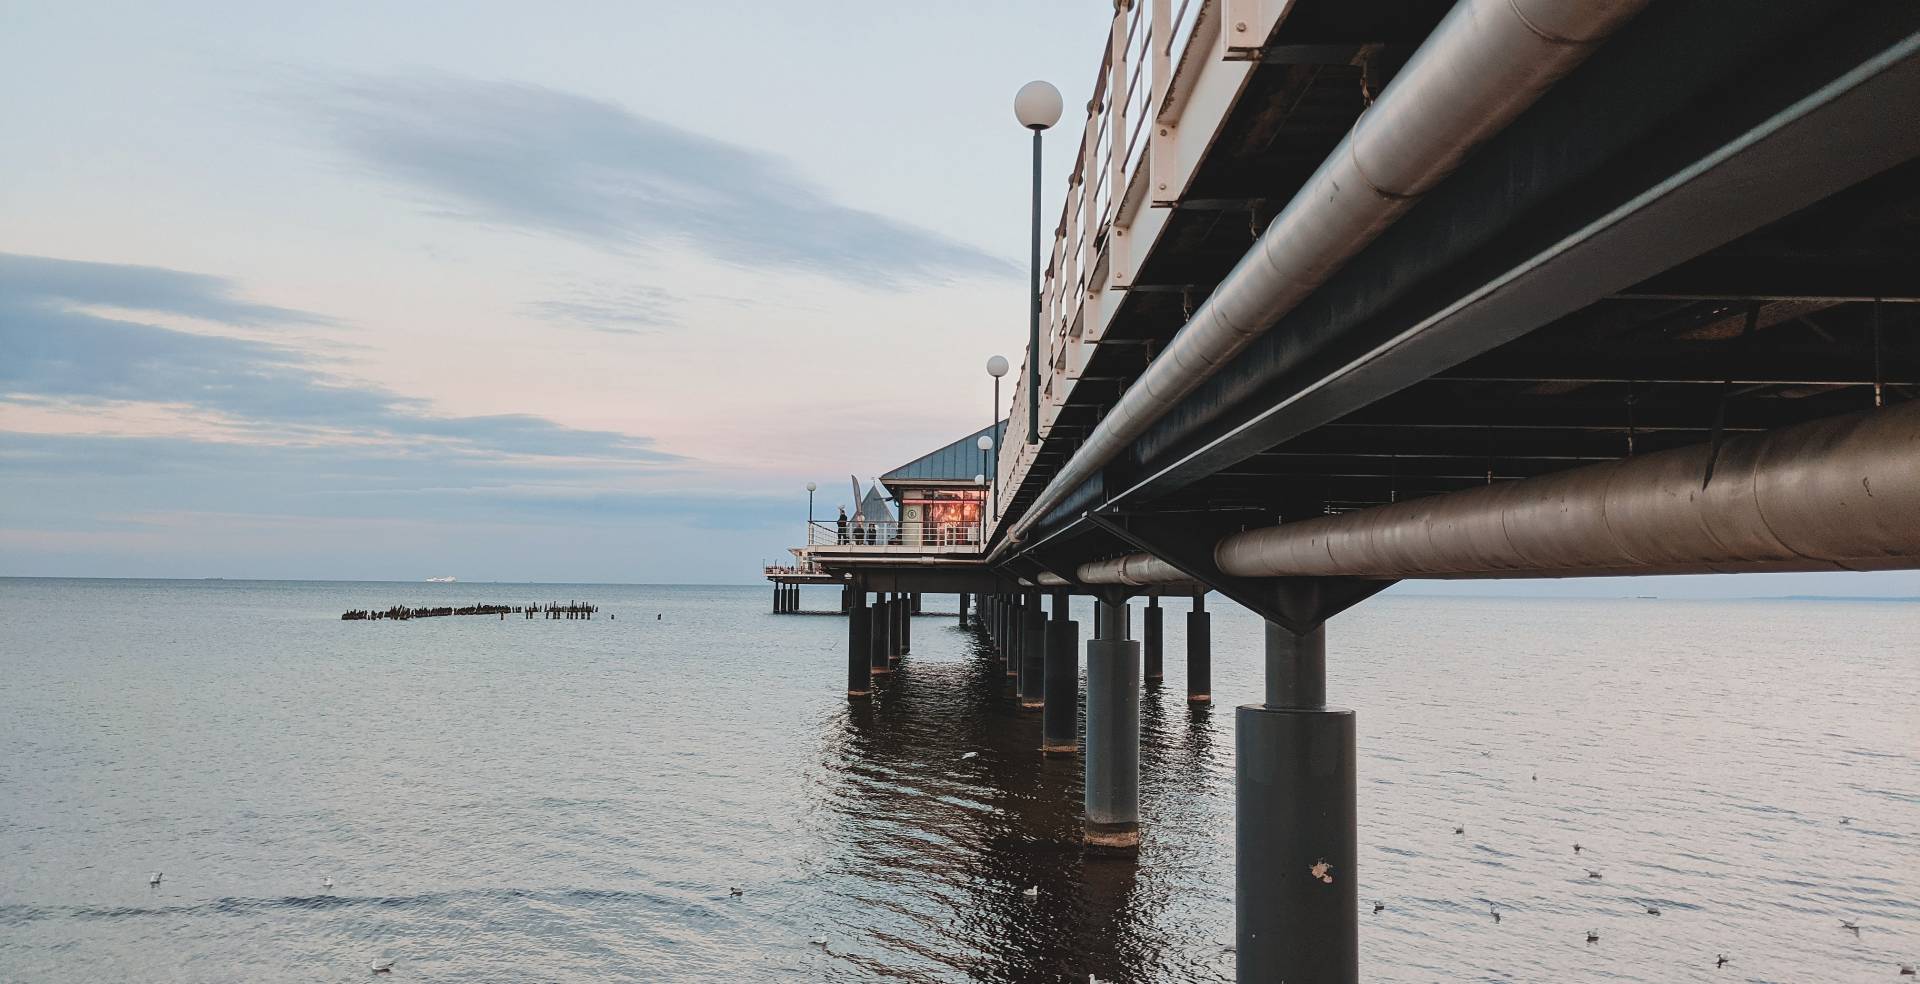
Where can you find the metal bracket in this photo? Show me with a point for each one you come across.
(1297, 604)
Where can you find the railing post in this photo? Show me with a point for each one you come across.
(1163, 141)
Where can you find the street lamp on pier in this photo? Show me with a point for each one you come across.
(986, 450)
(810, 487)
(1037, 107)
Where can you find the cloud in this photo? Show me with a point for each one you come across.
(48, 282)
(615, 311)
(55, 347)
(526, 157)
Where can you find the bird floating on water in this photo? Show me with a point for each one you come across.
(326, 885)
(383, 966)
(1846, 821)
(818, 941)
(967, 755)
(1722, 962)
(154, 879)
(1651, 911)
(1459, 830)
(1493, 911)
(735, 892)
(1850, 924)
(1906, 970)
(1377, 906)
(1032, 893)
(1577, 848)
(1592, 873)
(1592, 937)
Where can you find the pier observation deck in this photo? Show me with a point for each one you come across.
(1343, 292)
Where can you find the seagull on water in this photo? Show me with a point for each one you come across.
(819, 941)
(1493, 911)
(967, 755)
(1906, 970)
(1722, 962)
(1592, 873)
(1850, 924)
(1651, 911)
(1459, 830)
(1592, 937)
(154, 879)
(735, 892)
(383, 966)
(1846, 821)
(327, 884)
(1032, 893)
(1377, 906)
(1577, 848)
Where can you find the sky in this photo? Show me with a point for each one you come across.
(560, 291)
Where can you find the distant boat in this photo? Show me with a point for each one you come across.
(449, 579)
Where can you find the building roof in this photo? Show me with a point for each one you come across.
(874, 508)
(957, 462)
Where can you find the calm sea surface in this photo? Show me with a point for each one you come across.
(571, 801)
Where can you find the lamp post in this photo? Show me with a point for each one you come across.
(996, 367)
(1037, 107)
(986, 450)
(810, 487)
(981, 480)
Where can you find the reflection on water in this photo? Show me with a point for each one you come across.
(574, 801)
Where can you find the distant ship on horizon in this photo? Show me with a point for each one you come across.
(448, 579)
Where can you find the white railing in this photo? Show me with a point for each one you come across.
(1169, 65)
(793, 570)
(892, 534)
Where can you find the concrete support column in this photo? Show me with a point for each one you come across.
(1014, 629)
(778, 598)
(1033, 654)
(1199, 652)
(1296, 898)
(1099, 617)
(1113, 735)
(906, 623)
(1150, 640)
(1060, 718)
(963, 609)
(877, 638)
(859, 644)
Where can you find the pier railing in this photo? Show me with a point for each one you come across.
(1169, 72)
(893, 534)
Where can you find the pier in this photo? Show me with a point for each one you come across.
(1348, 293)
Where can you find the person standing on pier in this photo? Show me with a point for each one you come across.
(840, 525)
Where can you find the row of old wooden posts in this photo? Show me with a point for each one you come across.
(570, 610)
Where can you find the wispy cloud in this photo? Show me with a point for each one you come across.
(615, 311)
(532, 158)
(47, 282)
(55, 347)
